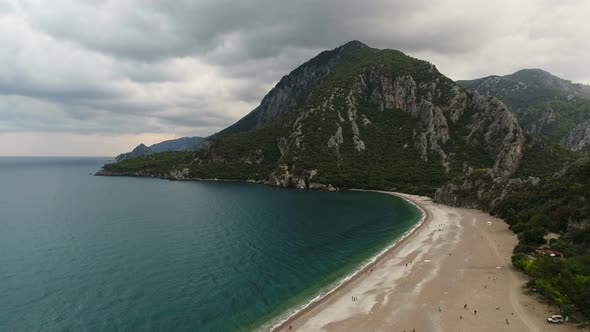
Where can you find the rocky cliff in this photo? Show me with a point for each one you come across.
(578, 139)
(294, 88)
(366, 118)
(544, 104)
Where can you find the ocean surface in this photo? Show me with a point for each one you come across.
(80, 252)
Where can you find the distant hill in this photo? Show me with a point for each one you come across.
(179, 144)
(545, 104)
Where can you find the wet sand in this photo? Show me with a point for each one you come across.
(457, 257)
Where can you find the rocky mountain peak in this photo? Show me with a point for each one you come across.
(352, 45)
(361, 117)
(363, 104)
(296, 87)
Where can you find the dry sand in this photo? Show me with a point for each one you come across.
(457, 257)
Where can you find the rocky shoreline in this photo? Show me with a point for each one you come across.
(286, 182)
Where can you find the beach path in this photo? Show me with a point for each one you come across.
(452, 274)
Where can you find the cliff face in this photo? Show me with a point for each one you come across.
(294, 88)
(361, 117)
(358, 117)
(544, 104)
(578, 139)
(437, 106)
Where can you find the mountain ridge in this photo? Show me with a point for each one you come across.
(544, 104)
(178, 144)
(348, 92)
(304, 78)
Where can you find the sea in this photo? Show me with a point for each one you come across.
(86, 253)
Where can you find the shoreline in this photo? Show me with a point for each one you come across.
(363, 269)
(453, 272)
(331, 311)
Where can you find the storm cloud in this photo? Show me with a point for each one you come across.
(161, 69)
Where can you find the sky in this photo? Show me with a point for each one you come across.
(96, 78)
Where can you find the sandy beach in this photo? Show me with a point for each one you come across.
(452, 274)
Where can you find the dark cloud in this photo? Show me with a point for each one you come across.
(194, 67)
(237, 30)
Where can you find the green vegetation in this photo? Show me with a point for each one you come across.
(391, 62)
(389, 162)
(464, 151)
(155, 164)
(563, 282)
(558, 205)
(250, 155)
(543, 103)
(542, 158)
(305, 139)
(567, 113)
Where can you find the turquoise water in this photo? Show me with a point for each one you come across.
(79, 252)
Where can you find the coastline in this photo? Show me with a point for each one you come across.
(363, 269)
(451, 273)
(331, 311)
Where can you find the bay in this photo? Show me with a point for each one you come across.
(79, 252)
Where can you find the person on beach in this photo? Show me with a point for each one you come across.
(475, 312)
(465, 306)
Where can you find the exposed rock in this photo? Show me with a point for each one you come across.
(378, 124)
(578, 139)
(337, 139)
(491, 126)
(291, 89)
(254, 157)
(499, 130)
(282, 177)
(179, 174)
(544, 104)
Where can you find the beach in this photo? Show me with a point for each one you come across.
(453, 273)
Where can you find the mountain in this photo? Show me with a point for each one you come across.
(545, 104)
(359, 117)
(179, 144)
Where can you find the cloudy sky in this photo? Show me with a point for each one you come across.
(95, 78)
